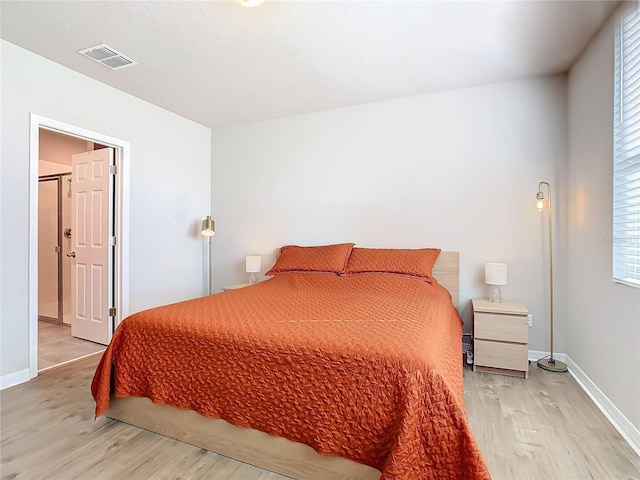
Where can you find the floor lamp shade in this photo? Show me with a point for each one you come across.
(495, 274)
(208, 227)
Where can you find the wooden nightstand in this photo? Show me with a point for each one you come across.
(500, 337)
(235, 287)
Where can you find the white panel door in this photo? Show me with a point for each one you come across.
(91, 253)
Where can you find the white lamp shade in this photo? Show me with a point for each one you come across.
(253, 263)
(495, 273)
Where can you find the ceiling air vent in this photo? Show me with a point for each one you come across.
(107, 56)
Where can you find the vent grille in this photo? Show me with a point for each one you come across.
(107, 56)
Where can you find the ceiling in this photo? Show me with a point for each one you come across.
(219, 63)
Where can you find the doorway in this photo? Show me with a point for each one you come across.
(57, 343)
(52, 307)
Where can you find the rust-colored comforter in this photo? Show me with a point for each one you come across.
(366, 367)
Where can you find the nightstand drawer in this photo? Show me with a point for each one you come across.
(506, 328)
(508, 356)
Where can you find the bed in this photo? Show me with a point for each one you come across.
(329, 370)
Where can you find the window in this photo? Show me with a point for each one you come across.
(626, 150)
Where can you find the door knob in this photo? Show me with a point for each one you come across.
(71, 254)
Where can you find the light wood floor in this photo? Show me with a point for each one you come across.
(56, 345)
(544, 427)
(541, 428)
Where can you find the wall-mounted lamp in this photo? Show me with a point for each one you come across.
(549, 362)
(253, 264)
(495, 274)
(209, 230)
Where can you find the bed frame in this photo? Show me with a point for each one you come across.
(252, 446)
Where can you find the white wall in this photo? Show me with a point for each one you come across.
(457, 170)
(51, 168)
(603, 317)
(170, 187)
(58, 148)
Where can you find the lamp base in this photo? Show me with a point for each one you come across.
(253, 279)
(495, 294)
(552, 365)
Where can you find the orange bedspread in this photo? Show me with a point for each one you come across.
(366, 367)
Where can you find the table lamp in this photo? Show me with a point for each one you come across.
(495, 274)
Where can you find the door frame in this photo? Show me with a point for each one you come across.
(120, 215)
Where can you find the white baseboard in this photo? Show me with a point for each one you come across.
(628, 431)
(625, 428)
(14, 378)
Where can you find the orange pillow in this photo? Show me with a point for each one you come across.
(327, 258)
(416, 263)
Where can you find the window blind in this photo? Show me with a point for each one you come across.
(626, 150)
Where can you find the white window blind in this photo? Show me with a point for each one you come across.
(626, 150)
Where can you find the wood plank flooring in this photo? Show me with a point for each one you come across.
(56, 345)
(544, 427)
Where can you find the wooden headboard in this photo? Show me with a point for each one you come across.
(447, 272)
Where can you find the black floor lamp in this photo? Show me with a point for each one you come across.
(549, 362)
